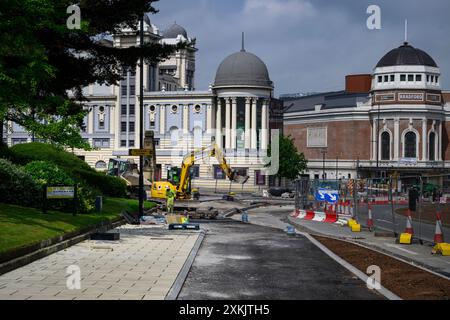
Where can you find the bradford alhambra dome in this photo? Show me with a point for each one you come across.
(174, 31)
(242, 68)
(406, 55)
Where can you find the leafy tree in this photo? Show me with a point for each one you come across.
(41, 60)
(291, 162)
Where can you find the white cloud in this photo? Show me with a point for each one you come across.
(276, 8)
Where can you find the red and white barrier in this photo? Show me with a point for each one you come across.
(328, 216)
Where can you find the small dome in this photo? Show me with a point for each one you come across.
(406, 55)
(242, 68)
(174, 31)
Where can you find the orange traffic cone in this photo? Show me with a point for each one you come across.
(438, 236)
(409, 228)
(369, 218)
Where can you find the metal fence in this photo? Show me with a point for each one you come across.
(390, 200)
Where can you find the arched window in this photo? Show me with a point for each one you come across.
(431, 146)
(174, 136)
(101, 165)
(410, 145)
(385, 146)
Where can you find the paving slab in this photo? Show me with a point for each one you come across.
(139, 264)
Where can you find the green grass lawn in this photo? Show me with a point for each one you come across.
(20, 226)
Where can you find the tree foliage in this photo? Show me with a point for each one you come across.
(291, 162)
(41, 60)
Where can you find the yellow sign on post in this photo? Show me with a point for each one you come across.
(140, 152)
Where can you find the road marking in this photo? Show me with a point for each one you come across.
(399, 248)
(384, 221)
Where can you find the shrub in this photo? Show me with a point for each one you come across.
(71, 164)
(17, 186)
(44, 172)
(5, 153)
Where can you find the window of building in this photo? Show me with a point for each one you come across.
(195, 171)
(15, 141)
(174, 109)
(123, 143)
(156, 142)
(123, 126)
(392, 77)
(152, 124)
(123, 109)
(428, 78)
(132, 109)
(410, 145)
(100, 165)
(132, 90)
(123, 89)
(418, 77)
(218, 172)
(260, 179)
(410, 77)
(431, 146)
(437, 79)
(100, 142)
(403, 77)
(131, 143)
(386, 78)
(432, 79)
(131, 126)
(152, 108)
(174, 136)
(385, 146)
(380, 79)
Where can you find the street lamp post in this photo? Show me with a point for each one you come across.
(378, 137)
(141, 118)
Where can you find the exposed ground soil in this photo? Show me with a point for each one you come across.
(406, 281)
(429, 213)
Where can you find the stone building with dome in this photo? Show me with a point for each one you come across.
(233, 112)
(392, 121)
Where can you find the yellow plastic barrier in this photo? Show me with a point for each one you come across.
(442, 248)
(355, 227)
(405, 238)
(352, 222)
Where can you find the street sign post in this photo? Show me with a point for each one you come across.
(60, 192)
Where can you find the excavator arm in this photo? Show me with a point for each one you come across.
(211, 150)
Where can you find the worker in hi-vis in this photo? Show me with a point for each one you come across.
(170, 198)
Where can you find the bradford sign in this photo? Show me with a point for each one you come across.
(410, 96)
(60, 192)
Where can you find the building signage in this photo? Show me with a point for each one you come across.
(433, 97)
(385, 97)
(408, 160)
(60, 192)
(410, 96)
(317, 137)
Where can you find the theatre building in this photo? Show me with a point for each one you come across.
(393, 121)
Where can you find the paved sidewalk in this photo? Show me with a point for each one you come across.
(143, 264)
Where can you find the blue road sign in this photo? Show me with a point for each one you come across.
(330, 196)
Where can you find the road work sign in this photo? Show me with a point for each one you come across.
(140, 152)
(60, 192)
(330, 196)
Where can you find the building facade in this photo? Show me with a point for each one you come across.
(395, 120)
(233, 112)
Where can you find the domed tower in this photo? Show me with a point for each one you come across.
(178, 71)
(243, 89)
(407, 111)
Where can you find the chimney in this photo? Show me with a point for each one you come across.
(358, 83)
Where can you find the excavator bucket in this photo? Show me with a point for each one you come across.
(240, 179)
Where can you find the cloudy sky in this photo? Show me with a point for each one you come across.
(308, 45)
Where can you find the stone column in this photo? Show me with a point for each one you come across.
(424, 140)
(233, 123)
(264, 117)
(247, 123)
(219, 123)
(162, 119)
(254, 140)
(227, 123)
(396, 138)
(439, 150)
(209, 111)
(374, 140)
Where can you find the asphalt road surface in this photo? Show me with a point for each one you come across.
(245, 261)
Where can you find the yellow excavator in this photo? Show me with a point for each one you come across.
(182, 189)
